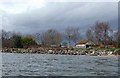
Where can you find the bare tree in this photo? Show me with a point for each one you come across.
(6, 35)
(6, 38)
(102, 32)
(37, 38)
(72, 34)
(51, 37)
(90, 34)
(117, 38)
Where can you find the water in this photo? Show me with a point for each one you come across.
(14, 64)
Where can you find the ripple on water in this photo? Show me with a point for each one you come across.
(58, 65)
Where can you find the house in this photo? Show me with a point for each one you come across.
(80, 46)
(84, 44)
(89, 44)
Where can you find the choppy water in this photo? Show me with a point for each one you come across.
(58, 65)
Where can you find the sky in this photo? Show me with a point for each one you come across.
(32, 16)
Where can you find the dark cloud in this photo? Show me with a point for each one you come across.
(59, 15)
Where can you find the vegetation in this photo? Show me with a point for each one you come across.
(117, 39)
(17, 41)
(72, 34)
(100, 34)
(107, 49)
(51, 37)
(28, 40)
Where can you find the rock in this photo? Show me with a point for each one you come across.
(117, 52)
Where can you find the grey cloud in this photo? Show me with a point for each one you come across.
(61, 15)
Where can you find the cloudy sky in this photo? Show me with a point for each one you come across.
(31, 16)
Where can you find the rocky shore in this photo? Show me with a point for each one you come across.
(65, 51)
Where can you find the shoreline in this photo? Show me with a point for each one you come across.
(58, 54)
(91, 52)
(67, 54)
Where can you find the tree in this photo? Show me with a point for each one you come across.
(17, 41)
(7, 43)
(51, 37)
(28, 40)
(72, 34)
(117, 38)
(90, 35)
(102, 30)
(6, 39)
(5, 34)
(37, 38)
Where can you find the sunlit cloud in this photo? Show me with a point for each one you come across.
(19, 6)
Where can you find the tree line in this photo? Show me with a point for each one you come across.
(16, 40)
(101, 34)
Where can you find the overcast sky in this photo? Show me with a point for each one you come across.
(31, 16)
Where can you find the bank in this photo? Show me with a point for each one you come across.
(64, 51)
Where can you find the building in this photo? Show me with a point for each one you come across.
(84, 44)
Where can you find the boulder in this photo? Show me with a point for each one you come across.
(117, 52)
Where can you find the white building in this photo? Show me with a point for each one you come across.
(84, 44)
(80, 46)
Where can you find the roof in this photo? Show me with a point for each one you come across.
(90, 43)
(85, 42)
(82, 42)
